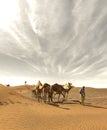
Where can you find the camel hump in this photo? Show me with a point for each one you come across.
(56, 84)
(46, 84)
(58, 88)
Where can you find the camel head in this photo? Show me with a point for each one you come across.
(69, 84)
(39, 83)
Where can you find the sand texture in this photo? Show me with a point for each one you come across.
(20, 111)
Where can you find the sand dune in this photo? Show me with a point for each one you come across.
(18, 112)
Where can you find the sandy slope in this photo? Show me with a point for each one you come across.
(21, 113)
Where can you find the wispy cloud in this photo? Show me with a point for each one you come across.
(63, 38)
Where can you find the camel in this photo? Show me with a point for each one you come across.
(57, 89)
(34, 92)
(67, 88)
(38, 91)
(61, 90)
(47, 92)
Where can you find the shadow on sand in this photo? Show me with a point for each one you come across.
(89, 104)
(58, 106)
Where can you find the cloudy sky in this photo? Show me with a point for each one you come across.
(53, 41)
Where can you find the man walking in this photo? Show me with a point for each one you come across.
(82, 94)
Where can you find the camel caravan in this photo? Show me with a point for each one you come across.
(46, 92)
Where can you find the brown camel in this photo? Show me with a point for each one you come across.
(47, 92)
(57, 89)
(61, 90)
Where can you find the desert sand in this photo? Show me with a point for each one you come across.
(19, 111)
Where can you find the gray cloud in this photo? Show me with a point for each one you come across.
(60, 39)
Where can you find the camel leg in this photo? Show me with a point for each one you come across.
(58, 97)
(39, 97)
(63, 97)
(45, 97)
(67, 97)
(50, 97)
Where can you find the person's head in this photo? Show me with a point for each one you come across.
(83, 87)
